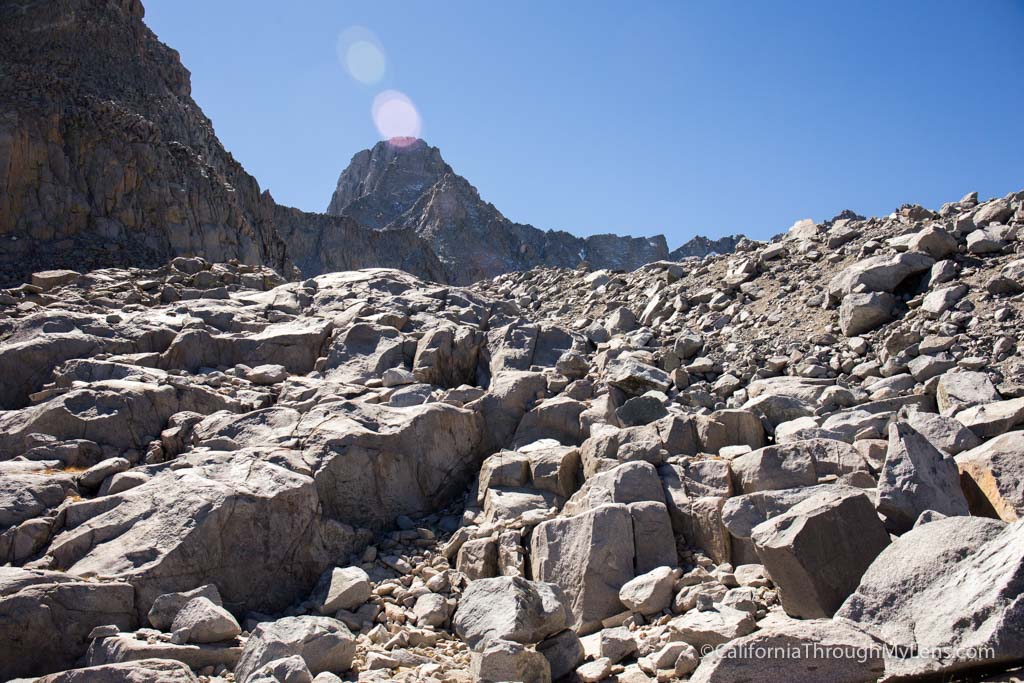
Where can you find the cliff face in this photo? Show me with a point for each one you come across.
(318, 243)
(105, 159)
(409, 186)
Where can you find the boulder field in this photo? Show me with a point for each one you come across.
(816, 444)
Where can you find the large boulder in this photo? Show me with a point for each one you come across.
(945, 598)
(128, 647)
(695, 494)
(636, 378)
(879, 274)
(46, 618)
(503, 660)
(295, 344)
(817, 550)
(24, 496)
(741, 514)
(118, 413)
(590, 556)
(556, 418)
(630, 482)
(959, 389)
(142, 671)
(447, 356)
(993, 419)
(364, 351)
(917, 477)
(324, 644)
(992, 475)
(253, 528)
(509, 396)
(816, 650)
(202, 621)
(772, 468)
(864, 311)
(649, 593)
(166, 607)
(511, 608)
(342, 588)
(373, 463)
(945, 433)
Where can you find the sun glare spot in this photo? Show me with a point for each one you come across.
(396, 117)
(362, 55)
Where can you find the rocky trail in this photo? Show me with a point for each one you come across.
(813, 446)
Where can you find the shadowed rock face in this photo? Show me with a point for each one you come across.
(318, 243)
(406, 184)
(104, 156)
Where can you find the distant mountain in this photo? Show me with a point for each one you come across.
(703, 246)
(406, 184)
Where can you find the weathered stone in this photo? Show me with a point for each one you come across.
(204, 622)
(615, 644)
(992, 476)
(46, 618)
(711, 627)
(344, 588)
(127, 647)
(879, 273)
(564, 653)
(992, 419)
(863, 312)
(141, 671)
(817, 650)
(324, 644)
(224, 520)
(773, 467)
(166, 607)
(510, 608)
(635, 378)
(431, 609)
(817, 551)
(920, 591)
(648, 593)
(478, 559)
(916, 477)
(590, 556)
(291, 669)
(958, 390)
(503, 660)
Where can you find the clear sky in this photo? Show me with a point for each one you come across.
(673, 117)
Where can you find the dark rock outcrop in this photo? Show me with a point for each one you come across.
(104, 157)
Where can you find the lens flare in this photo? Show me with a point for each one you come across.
(362, 55)
(396, 117)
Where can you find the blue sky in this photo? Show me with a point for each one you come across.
(679, 118)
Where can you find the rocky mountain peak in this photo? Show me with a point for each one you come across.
(405, 183)
(383, 182)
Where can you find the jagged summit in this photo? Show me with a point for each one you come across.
(382, 182)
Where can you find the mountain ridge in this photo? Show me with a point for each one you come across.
(407, 184)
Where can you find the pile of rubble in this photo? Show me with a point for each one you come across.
(813, 445)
